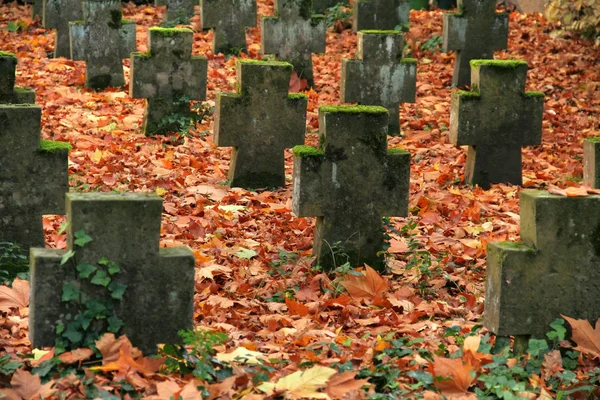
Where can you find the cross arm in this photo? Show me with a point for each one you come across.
(499, 33)
(78, 35)
(351, 77)
(197, 85)
(269, 35)
(295, 117)
(318, 31)
(54, 170)
(464, 115)
(532, 132)
(454, 32)
(229, 119)
(140, 86)
(127, 35)
(309, 188)
(394, 197)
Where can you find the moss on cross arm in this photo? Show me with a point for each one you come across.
(380, 32)
(297, 96)
(266, 63)
(510, 64)
(534, 94)
(396, 151)
(408, 61)
(353, 109)
(593, 139)
(147, 54)
(7, 54)
(307, 151)
(22, 90)
(169, 32)
(50, 146)
(466, 94)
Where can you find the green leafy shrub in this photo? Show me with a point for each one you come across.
(12, 261)
(338, 17)
(582, 16)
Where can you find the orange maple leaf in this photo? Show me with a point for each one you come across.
(586, 337)
(127, 362)
(367, 286)
(18, 296)
(457, 378)
(340, 384)
(296, 308)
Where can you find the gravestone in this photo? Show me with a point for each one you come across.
(380, 14)
(591, 162)
(179, 11)
(260, 121)
(349, 184)
(9, 94)
(319, 6)
(33, 176)
(495, 121)
(57, 15)
(380, 76)
(229, 19)
(553, 270)
(169, 77)
(474, 34)
(294, 35)
(102, 41)
(37, 9)
(124, 229)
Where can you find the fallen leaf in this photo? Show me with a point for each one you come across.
(457, 377)
(340, 384)
(17, 296)
(301, 384)
(586, 337)
(242, 355)
(367, 286)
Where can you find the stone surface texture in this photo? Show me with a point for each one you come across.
(260, 121)
(319, 6)
(552, 271)
(349, 184)
(8, 93)
(229, 19)
(167, 76)
(125, 228)
(37, 9)
(591, 162)
(293, 35)
(179, 10)
(102, 41)
(495, 121)
(530, 6)
(380, 76)
(474, 34)
(380, 14)
(32, 182)
(56, 15)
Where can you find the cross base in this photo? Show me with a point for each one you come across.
(493, 164)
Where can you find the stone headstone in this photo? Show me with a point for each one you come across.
(380, 77)
(229, 19)
(56, 15)
(102, 41)
(179, 11)
(530, 6)
(37, 9)
(553, 270)
(319, 6)
(33, 176)
(293, 35)
(169, 77)
(474, 33)
(591, 162)
(495, 121)
(380, 14)
(349, 184)
(124, 229)
(9, 94)
(260, 121)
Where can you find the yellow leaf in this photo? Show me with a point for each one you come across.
(97, 156)
(243, 356)
(301, 384)
(160, 191)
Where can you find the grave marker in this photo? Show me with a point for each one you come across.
(474, 34)
(9, 94)
(37, 9)
(349, 184)
(553, 270)
(56, 15)
(495, 121)
(380, 76)
(168, 76)
(124, 229)
(380, 14)
(229, 19)
(591, 162)
(319, 6)
(179, 11)
(33, 176)
(260, 121)
(294, 35)
(102, 41)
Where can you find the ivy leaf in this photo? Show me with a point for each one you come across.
(81, 239)
(113, 268)
(103, 261)
(86, 269)
(70, 293)
(66, 257)
(101, 279)
(60, 328)
(72, 333)
(116, 290)
(114, 324)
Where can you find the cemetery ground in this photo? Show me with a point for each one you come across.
(412, 331)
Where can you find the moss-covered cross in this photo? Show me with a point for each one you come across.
(380, 14)
(9, 94)
(380, 76)
(57, 15)
(495, 119)
(229, 19)
(179, 11)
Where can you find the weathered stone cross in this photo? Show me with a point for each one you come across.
(169, 77)
(380, 14)
(179, 10)
(553, 270)
(33, 176)
(229, 19)
(57, 15)
(151, 291)
(474, 33)
(319, 6)
(9, 94)
(591, 162)
(380, 77)
(349, 184)
(260, 121)
(495, 121)
(294, 35)
(102, 40)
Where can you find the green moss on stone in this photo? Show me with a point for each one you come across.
(127, 21)
(169, 32)
(466, 94)
(77, 22)
(383, 32)
(307, 151)
(22, 90)
(116, 19)
(271, 63)
(353, 109)
(498, 63)
(396, 150)
(593, 139)
(50, 146)
(7, 54)
(534, 94)
(515, 246)
(147, 54)
(297, 96)
(408, 61)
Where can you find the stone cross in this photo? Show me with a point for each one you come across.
(155, 288)
(179, 11)
(591, 162)
(380, 14)
(553, 270)
(349, 184)
(102, 40)
(56, 15)
(380, 77)
(37, 9)
(495, 121)
(294, 35)
(33, 176)
(260, 121)
(474, 33)
(169, 77)
(9, 94)
(229, 19)
(319, 6)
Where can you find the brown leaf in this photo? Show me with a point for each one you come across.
(587, 338)
(18, 296)
(296, 308)
(367, 286)
(109, 346)
(458, 377)
(552, 364)
(25, 384)
(74, 356)
(340, 384)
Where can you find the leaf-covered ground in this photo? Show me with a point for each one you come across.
(254, 279)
